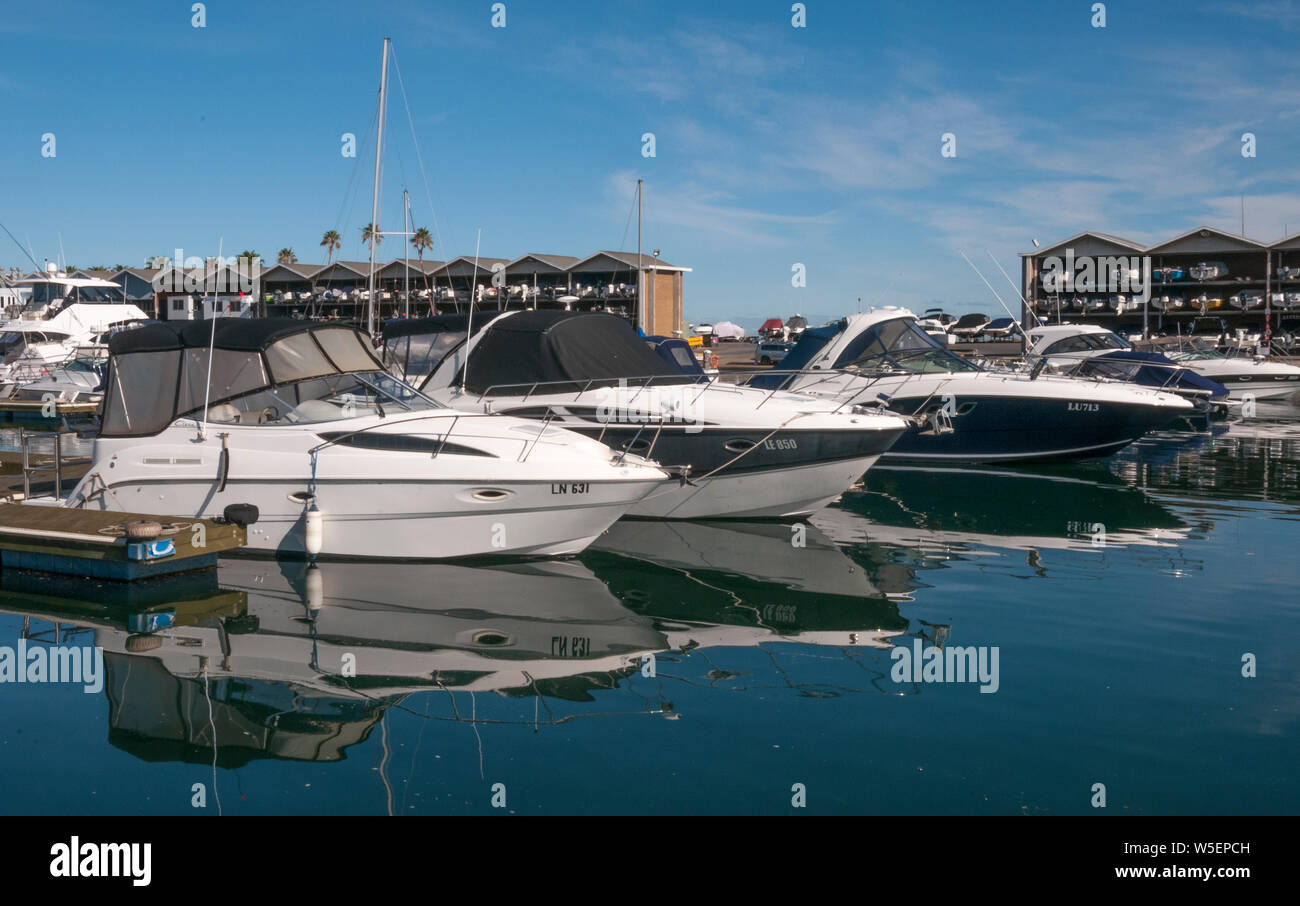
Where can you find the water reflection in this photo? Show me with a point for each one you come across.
(930, 515)
(267, 659)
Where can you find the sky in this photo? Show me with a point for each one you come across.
(774, 145)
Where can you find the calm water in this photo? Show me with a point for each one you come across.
(697, 668)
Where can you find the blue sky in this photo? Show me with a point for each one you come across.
(774, 144)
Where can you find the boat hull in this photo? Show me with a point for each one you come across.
(789, 472)
(1005, 429)
(399, 519)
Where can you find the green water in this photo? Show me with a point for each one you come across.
(699, 668)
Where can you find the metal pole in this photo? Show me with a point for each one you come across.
(406, 231)
(374, 203)
(640, 294)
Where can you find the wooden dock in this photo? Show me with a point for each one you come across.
(93, 543)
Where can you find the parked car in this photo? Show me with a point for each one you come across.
(771, 353)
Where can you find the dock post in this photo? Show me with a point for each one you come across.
(27, 475)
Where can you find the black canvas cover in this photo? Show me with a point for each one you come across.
(562, 346)
(235, 334)
(406, 327)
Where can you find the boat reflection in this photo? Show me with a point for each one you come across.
(736, 583)
(931, 514)
(286, 660)
(1252, 458)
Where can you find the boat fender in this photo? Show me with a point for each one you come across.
(315, 587)
(241, 514)
(314, 529)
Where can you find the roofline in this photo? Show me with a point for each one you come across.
(1202, 229)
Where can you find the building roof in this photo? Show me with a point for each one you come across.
(621, 260)
(1188, 241)
(1104, 238)
(553, 263)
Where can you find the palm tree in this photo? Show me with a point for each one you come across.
(371, 234)
(287, 256)
(332, 242)
(251, 256)
(422, 242)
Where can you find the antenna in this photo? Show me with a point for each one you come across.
(469, 327)
(25, 251)
(374, 202)
(1029, 308)
(990, 286)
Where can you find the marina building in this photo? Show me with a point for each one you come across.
(1203, 281)
(647, 291)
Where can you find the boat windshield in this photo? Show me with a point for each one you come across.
(418, 355)
(1198, 351)
(99, 294)
(332, 397)
(1088, 342)
(896, 345)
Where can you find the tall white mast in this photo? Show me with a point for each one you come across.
(374, 204)
(406, 231)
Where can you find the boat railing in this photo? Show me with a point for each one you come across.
(526, 449)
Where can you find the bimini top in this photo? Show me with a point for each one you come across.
(562, 347)
(159, 372)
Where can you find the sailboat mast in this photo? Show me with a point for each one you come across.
(374, 202)
(406, 232)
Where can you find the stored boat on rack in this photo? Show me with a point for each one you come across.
(339, 457)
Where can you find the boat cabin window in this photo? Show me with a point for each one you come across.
(43, 293)
(899, 345)
(97, 294)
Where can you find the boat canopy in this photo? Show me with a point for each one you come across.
(562, 347)
(676, 352)
(1149, 369)
(160, 372)
(811, 342)
(414, 347)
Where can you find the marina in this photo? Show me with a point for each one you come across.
(534, 673)
(828, 410)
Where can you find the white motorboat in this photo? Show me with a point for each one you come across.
(340, 458)
(64, 317)
(1242, 374)
(743, 452)
(972, 414)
